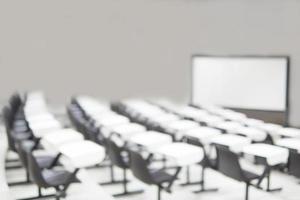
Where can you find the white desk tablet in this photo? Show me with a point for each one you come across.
(251, 122)
(181, 153)
(229, 126)
(44, 124)
(191, 112)
(270, 128)
(211, 120)
(288, 132)
(83, 153)
(103, 114)
(112, 120)
(166, 104)
(127, 130)
(232, 115)
(134, 102)
(39, 130)
(234, 142)
(290, 143)
(151, 139)
(181, 125)
(40, 117)
(153, 113)
(36, 94)
(165, 118)
(91, 104)
(35, 103)
(95, 108)
(254, 134)
(203, 134)
(31, 112)
(274, 155)
(54, 139)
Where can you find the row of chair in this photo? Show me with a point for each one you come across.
(242, 174)
(226, 162)
(290, 136)
(275, 133)
(122, 157)
(40, 169)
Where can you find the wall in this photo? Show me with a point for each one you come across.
(121, 48)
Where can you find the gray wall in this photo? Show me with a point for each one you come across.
(121, 48)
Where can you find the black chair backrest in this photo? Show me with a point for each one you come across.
(193, 141)
(228, 163)
(294, 163)
(139, 167)
(22, 148)
(94, 133)
(115, 154)
(8, 117)
(196, 142)
(73, 113)
(8, 120)
(35, 171)
(15, 102)
(78, 123)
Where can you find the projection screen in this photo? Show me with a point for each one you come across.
(250, 82)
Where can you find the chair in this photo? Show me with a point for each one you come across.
(90, 132)
(44, 161)
(78, 123)
(207, 162)
(94, 133)
(117, 158)
(160, 178)
(228, 164)
(294, 164)
(59, 179)
(14, 133)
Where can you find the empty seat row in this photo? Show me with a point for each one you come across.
(41, 131)
(273, 156)
(133, 136)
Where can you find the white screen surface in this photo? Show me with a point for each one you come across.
(240, 82)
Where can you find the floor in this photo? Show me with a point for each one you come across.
(228, 189)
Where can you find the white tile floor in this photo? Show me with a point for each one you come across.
(228, 189)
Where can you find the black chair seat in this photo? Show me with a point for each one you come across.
(45, 161)
(19, 136)
(19, 129)
(250, 176)
(160, 176)
(56, 177)
(19, 123)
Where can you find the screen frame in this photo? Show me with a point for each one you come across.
(287, 93)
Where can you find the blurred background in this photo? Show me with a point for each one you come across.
(137, 48)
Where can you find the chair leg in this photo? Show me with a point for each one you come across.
(112, 178)
(269, 189)
(159, 193)
(188, 181)
(125, 190)
(202, 184)
(247, 191)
